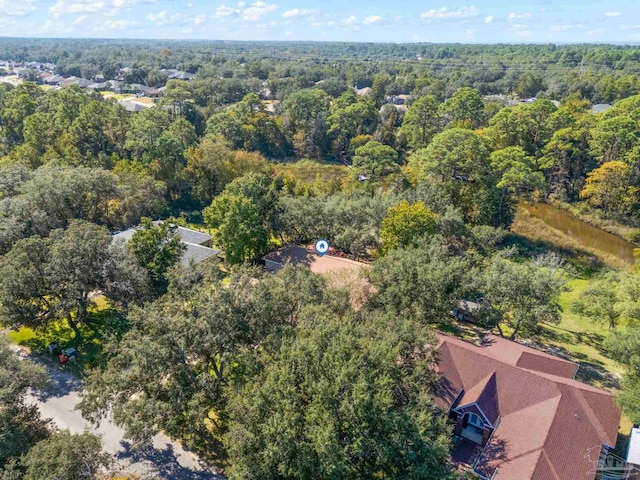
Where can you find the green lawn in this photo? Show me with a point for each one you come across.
(582, 339)
(308, 171)
(100, 322)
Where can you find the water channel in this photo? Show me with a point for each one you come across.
(585, 234)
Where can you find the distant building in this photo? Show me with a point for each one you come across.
(298, 255)
(173, 74)
(198, 244)
(600, 107)
(54, 80)
(363, 92)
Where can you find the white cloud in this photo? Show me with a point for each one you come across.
(470, 33)
(444, 12)
(107, 7)
(224, 11)
(256, 11)
(612, 14)
(19, 8)
(157, 17)
(351, 23)
(300, 12)
(596, 32)
(564, 28)
(184, 20)
(372, 20)
(521, 30)
(630, 27)
(488, 19)
(328, 23)
(518, 16)
(119, 24)
(80, 20)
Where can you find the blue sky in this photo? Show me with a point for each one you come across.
(469, 21)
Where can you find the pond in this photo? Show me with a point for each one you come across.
(585, 234)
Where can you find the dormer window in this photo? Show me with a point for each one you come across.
(475, 420)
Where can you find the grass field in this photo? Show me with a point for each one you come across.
(100, 321)
(308, 171)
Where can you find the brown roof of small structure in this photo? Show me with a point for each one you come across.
(298, 255)
(546, 421)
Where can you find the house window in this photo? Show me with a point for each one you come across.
(475, 421)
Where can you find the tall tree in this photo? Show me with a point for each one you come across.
(157, 248)
(611, 300)
(522, 295)
(405, 224)
(373, 161)
(421, 122)
(20, 424)
(68, 456)
(242, 218)
(51, 279)
(465, 109)
(609, 187)
(343, 398)
(422, 282)
(193, 339)
(624, 347)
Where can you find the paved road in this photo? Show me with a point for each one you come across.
(165, 460)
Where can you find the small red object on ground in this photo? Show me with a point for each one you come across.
(63, 358)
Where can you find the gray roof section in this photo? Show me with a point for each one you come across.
(600, 107)
(197, 254)
(187, 235)
(193, 240)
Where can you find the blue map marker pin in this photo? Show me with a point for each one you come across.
(322, 247)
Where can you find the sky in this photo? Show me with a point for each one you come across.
(466, 21)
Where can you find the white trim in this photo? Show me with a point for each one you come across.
(457, 410)
(451, 409)
(476, 418)
(475, 465)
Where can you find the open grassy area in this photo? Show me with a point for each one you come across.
(101, 321)
(308, 171)
(581, 339)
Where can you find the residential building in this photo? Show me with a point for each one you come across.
(307, 256)
(198, 244)
(519, 413)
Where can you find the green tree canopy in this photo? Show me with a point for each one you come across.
(522, 295)
(68, 456)
(344, 398)
(20, 424)
(242, 217)
(157, 248)
(375, 160)
(405, 223)
(52, 278)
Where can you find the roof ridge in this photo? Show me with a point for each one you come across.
(549, 463)
(593, 417)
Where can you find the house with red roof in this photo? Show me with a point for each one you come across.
(519, 413)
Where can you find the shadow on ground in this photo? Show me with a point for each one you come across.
(166, 463)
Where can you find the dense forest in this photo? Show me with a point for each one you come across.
(420, 155)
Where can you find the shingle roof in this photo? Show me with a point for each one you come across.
(197, 253)
(298, 255)
(193, 236)
(192, 239)
(546, 421)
